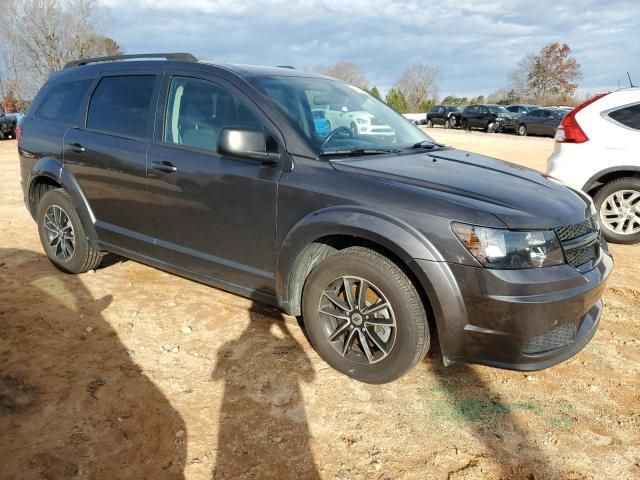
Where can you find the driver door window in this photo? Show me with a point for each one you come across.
(197, 110)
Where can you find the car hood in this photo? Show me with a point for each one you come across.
(520, 197)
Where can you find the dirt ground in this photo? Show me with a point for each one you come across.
(131, 373)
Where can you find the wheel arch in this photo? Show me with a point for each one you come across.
(601, 178)
(49, 173)
(323, 233)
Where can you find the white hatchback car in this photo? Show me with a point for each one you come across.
(598, 151)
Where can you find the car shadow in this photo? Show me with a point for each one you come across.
(263, 429)
(467, 398)
(73, 404)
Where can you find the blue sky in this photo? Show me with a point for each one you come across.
(474, 43)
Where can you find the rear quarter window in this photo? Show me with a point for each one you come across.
(627, 116)
(62, 101)
(122, 105)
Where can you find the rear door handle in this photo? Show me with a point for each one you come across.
(164, 166)
(76, 147)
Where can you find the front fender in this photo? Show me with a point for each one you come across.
(401, 239)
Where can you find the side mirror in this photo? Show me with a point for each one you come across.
(244, 143)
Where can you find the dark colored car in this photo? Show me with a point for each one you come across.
(490, 118)
(8, 125)
(522, 109)
(542, 121)
(216, 173)
(442, 115)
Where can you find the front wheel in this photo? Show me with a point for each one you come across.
(522, 130)
(62, 235)
(447, 123)
(429, 123)
(364, 317)
(465, 125)
(618, 205)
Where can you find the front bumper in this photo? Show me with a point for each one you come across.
(515, 319)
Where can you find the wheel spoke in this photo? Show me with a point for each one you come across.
(348, 292)
(334, 313)
(337, 301)
(635, 196)
(362, 295)
(54, 241)
(339, 331)
(365, 345)
(380, 321)
(371, 309)
(377, 341)
(348, 341)
(67, 251)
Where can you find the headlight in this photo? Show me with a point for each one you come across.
(497, 248)
(362, 121)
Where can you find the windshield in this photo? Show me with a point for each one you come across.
(498, 109)
(335, 117)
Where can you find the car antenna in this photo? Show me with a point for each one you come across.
(630, 82)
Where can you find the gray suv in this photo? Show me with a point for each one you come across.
(383, 243)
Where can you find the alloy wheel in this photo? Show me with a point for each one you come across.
(59, 233)
(620, 212)
(358, 320)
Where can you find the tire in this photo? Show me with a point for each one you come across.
(429, 123)
(404, 343)
(615, 198)
(522, 130)
(465, 125)
(54, 206)
(447, 123)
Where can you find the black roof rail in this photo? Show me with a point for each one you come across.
(286, 66)
(178, 57)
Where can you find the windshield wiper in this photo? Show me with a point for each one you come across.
(426, 144)
(358, 151)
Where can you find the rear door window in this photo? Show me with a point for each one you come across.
(627, 116)
(62, 101)
(122, 105)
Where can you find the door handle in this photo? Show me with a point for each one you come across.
(165, 166)
(76, 147)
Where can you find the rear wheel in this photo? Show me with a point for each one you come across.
(465, 125)
(364, 316)
(522, 130)
(429, 123)
(447, 123)
(62, 235)
(618, 205)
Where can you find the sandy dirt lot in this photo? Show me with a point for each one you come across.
(131, 373)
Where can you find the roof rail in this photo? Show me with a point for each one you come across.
(179, 57)
(286, 66)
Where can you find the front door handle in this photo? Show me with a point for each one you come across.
(76, 147)
(164, 166)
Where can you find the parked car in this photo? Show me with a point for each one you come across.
(596, 151)
(542, 121)
(522, 109)
(443, 115)
(322, 125)
(490, 118)
(8, 125)
(375, 241)
(360, 123)
(415, 118)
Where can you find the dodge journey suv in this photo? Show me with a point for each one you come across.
(381, 243)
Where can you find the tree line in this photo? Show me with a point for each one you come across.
(38, 37)
(548, 77)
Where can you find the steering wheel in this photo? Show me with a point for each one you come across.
(337, 131)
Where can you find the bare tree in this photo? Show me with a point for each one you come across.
(346, 71)
(418, 82)
(38, 37)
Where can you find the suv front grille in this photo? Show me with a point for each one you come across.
(555, 338)
(575, 251)
(574, 231)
